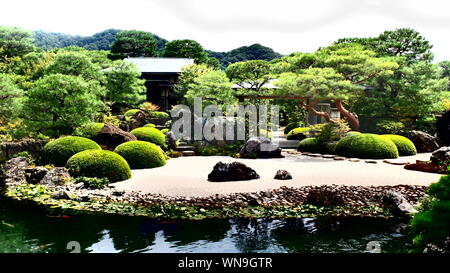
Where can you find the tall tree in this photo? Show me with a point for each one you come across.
(133, 43)
(74, 64)
(188, 75)
(10, 98)
(57, 104)
(186, 49)
(15, 42)
(251, 75)
(213, 87)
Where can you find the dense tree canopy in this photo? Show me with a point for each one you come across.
(245, 53)
(133, 43)
(14, 42)
(250, 74)
(186, 49)
(10, 98)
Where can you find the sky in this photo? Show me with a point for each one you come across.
(221, 25)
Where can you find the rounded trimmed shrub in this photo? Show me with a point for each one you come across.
(99, 163)
(152, 135)
(151, 125)
(131, 112)
(92, 129)
(141, 154)
(310, 145)
(405, 146)
(366, 146)
(298, 133)
(292, 125)
(353, 133)
(58, 151)
(156, 114)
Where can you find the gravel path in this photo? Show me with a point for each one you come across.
(187, 176)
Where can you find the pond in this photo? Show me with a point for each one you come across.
(30, 229)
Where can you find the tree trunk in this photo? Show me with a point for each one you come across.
(310, 108)
(352, 118)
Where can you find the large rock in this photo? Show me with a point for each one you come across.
(443, 129)
(424, 142)
(137, 120)
(14, 170)
(171, 141)
(33, 147)
(234, 171)
(55, 177)
(282, 175)
(397, 204)
(441, 156)
(35, 175)
(260, 147)
(427, 166)
(112, 136)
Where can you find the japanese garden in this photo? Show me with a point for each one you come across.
(90, 140)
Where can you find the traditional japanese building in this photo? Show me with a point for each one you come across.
(160, 75)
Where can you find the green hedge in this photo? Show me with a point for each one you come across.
(292, 125)
(310, 145)
(366, 146)
(152, 135)
(298, 133)
(99, 163)
(159, 115)
(58, 151)
(405, 146)
(141, 154)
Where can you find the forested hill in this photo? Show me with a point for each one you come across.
(104, 39)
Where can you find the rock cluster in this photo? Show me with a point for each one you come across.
(441, 156)
(234, 171)
(112, 136)
(260, 147)
(282, 175)
(424, 142)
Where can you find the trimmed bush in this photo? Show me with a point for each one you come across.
(151, 125)
(99, 163)
(353, 133)
(310, 145)
(390, 127)
(141, 154)
(405, 146)
(366, 146)
(91, 130)
(58, 151)
(152, 135)
(298, 133)
(131, 112)
(159, 115)
(292, 125)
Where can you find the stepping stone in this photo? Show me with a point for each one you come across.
(315, 155)
(182, 148)
(188, 153)
(339, 158)
(371, 161)
(395, 162)
(354, 159)
(328, 156)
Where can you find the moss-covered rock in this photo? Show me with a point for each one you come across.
(310, 145)
(298, 133)
(366, 146)
(58, 151)
(141, 154)
(152, 135)
(99, 163)
(405, 146)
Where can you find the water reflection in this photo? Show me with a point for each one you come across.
(26, 229)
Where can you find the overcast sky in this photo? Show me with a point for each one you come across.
(285, 25)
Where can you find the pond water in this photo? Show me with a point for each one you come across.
(29, 229)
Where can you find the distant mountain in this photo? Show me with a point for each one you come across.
(245, 53)
(99, 41)
(103, 40)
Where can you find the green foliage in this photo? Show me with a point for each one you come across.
(99, 163)
(133, 43)
(353, 133)
(251, 75)
(405, 146)
(11, 97)
(90, 130)
(14, 42)
(186, 49)
(151, 125)
(293, 125)
(131, 112)
(333, 131)
(391, 127)
(124, 85)
(152, 135)
(74, 64)
(58, 151)
(298, 133)
(141, 154)
(310, 145)
(213, 86)
(188, 75)
(25, 154)
(432, 224)
(162, 115)
(57, 104)
(92, 182)
(245, 53)
(366, 146)
(219, 150)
